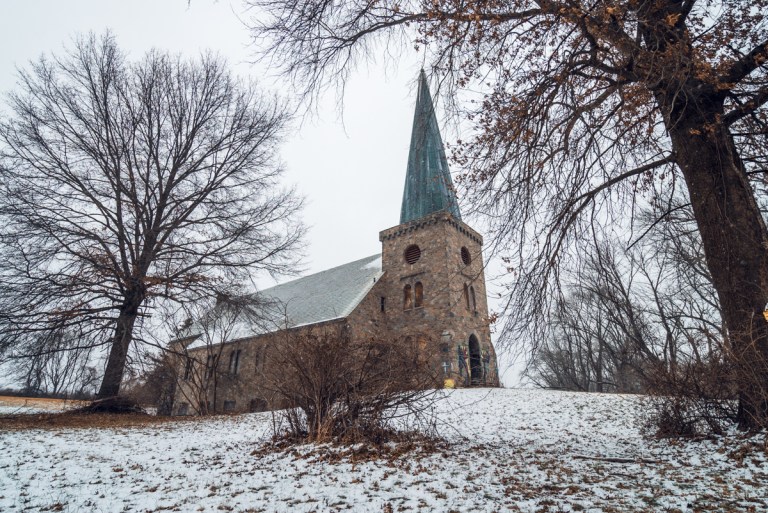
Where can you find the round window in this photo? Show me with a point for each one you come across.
(465, 256)
(412, 254)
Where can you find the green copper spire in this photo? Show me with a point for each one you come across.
(428, 186)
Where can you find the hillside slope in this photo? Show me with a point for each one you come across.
(510, 450)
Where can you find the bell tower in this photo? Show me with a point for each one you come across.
(434, 282)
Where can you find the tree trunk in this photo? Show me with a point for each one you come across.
(735, 242)
(599, 370)
(121, 342)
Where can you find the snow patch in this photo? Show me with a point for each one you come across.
(373, 264)
(510, 450)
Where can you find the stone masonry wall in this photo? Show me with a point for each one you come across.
(243, 391)
(445, 313)
(443, 325)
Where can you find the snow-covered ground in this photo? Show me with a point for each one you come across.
(510, 450)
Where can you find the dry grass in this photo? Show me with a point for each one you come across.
(84, 421)
(39, 402)
(59, 417)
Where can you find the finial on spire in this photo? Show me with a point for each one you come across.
(428, 185)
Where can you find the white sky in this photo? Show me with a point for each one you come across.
(350, 170)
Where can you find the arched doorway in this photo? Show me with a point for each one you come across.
(475, 361)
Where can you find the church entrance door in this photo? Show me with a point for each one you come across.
(475, 361)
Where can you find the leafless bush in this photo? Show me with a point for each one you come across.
(340, 388)
(155, 387)
(705, 397)
(692, 400)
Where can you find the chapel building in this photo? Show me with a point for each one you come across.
(428, 279)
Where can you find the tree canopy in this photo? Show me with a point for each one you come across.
(127, 185)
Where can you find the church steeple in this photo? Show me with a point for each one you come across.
(428, 186)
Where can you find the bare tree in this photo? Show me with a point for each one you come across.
(646, 319)
(338, 387)
(59, 364)
(206, 353)
(124, 185)
(583, 105)
(604, 337)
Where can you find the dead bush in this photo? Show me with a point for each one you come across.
(706, 397)
(155, 387)
(342, 389)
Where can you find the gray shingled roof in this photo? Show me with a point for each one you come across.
(326, 295)
(319, 297)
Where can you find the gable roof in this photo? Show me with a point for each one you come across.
(428, 185)
(327, 295)
(320, 297)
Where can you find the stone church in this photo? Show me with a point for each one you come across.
(428, 279)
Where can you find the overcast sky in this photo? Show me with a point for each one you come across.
(350, 168)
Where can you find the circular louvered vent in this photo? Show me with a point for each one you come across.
(412, 254)
(465, 256)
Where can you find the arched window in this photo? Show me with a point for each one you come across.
(258, 364)
(472, 297)
(419, 293)
(234, 362)
(466, 295)
(188, 369)
(407, 298)
(210, 365)
(475, 361)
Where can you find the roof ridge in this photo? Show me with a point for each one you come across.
(319, 272)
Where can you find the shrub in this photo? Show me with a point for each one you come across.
(707, 396)
(340, 388)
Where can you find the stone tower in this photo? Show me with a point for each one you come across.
(433, 263)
